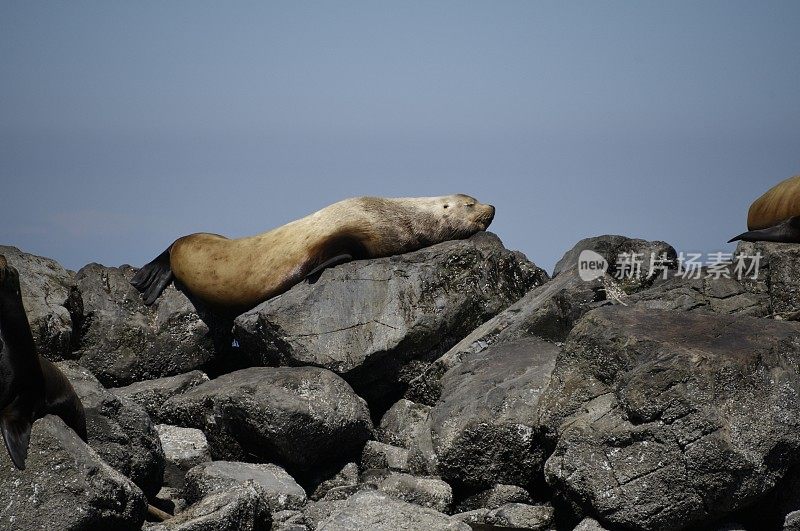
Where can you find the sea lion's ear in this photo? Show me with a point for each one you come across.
(315, 273)
(17, 435)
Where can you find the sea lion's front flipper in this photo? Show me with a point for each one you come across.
(17, 435)
(315, 273)
(787, 231)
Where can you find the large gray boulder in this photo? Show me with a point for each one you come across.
(125, 341)
(52, 302)
(66, 485)
(184, 449)
(278, 489)
(377, 511)
(240, 508)
(778, 274)
(119, 430)
(485, 428)
(400, 424)
(666, 419)
(373, 321)
(306, 419)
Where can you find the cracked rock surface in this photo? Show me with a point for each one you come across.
(370, 321)
(665, 419)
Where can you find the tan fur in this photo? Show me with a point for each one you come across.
(241, 273)
(781, 202)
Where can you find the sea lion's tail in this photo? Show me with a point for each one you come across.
(153, 278)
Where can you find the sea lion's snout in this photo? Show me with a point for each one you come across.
(486, 217)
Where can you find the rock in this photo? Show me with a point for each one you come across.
(52, 302)
(379, 455)
(184, 448)
(316, 512)
(704, 294)
(241, 508)
(474, 519)
(375, 321)
(666, 419)
(548, 311)
(306, 419)
(289, 521)
(521, 516)
(495, 497)
(151, 394)
(346, 477)
(485, 429)
(67, 484)
(792, 522)
(279, 490)
(613, 248)
(778, 274)
(399, 425)
(119, 430)
(380, 512)
(425, 492)
(171, 500)
(589, 524)
(125, 341)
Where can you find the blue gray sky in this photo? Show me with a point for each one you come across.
(124, 125)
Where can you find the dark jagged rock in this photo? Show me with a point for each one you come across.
(151, 394)
(380, 455)
(425, 492)
(778, 275)
(66, 485)
(667, 419)
(374, 321)
(521, 516)
(52, 302)
(380, 512)
(346, 477)
(612, 247)
(306, 419)
(485, 429)
(125, 341)
(119, 430)
(278, 489)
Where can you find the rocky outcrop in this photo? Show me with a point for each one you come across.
(66, 485)
(124, 341)
(52, 302)
(778, 275)
(119, 430)
(667, 419)
(306, 419)
(374, 321)
(151, 394)
(184, 448)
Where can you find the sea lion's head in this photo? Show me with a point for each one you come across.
(476, 215)
(453, 216)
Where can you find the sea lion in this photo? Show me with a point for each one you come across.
(30, 386)
(234, 275)
(775, 216)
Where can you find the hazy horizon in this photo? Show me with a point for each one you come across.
(126, 125)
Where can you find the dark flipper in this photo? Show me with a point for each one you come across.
(787, 231)
(153, 278)
(315, 273)
(16, 430)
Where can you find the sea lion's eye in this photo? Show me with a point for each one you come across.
(446, 206)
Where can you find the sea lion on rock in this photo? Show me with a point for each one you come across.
(30, 386)
(775, 216)
(234, 275)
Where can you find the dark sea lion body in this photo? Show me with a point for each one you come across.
(775, 216)
(234, 275)
(30, 386)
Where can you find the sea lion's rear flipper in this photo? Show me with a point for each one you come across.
(17, 436)
(153, 278)
(787, 231)
(315, 273)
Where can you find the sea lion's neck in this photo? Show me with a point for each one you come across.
(15, 330)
